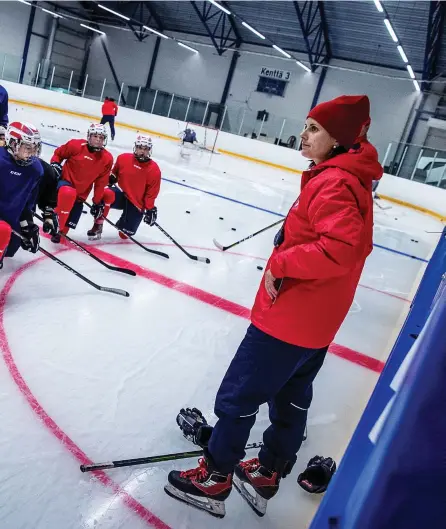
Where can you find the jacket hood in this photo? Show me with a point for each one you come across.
(359, 163)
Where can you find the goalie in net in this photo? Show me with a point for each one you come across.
(198, 137)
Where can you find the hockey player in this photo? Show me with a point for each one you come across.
(2, 136)
(3, 106)
(109, 112)
(306, 292)
(87, 164)
(47, 199)
(188, 136)
(139, 180)
(20, 174)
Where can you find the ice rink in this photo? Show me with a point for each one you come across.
(89, 376)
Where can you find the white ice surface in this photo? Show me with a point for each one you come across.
(113, 372)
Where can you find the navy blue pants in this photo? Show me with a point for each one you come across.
(111, 121)
(131, 216)
(264, 370)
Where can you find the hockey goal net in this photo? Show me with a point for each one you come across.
(206, 136)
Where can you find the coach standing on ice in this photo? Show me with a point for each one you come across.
(307, 290)
(3, 107)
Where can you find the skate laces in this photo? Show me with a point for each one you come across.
(198, 473)
(250, 465)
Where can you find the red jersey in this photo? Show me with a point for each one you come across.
(140, 181)
(109, 108)
(83, 168)
(327, 238)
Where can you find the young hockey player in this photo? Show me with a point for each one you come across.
(139, 180)
(20, 174)
(308, 287)
(87, 164)
(109, 112)
(47, 199)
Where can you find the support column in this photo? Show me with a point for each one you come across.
(153, 62)
(224, 96)
(112, 68)
(83, 72)
(27, 41)
(49, 51)
(320, 83)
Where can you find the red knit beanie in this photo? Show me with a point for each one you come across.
(342, 117)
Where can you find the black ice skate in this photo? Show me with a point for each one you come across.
(56, 238)
(96, 232)
(204, 487)
(264, 482)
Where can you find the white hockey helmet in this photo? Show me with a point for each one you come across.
(96, 129)
(18, 134)
(146, 142)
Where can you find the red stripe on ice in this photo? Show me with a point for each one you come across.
(83, 459)
(229, 306)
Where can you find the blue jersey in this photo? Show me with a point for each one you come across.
(18, 188)
(3, 106)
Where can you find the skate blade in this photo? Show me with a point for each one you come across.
(257, 503)
(94, 237)
(212, 507)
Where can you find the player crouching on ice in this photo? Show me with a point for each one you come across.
(139, 181)
(87, 164)
(20, 176)
(307, 290)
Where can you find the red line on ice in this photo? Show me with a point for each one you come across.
(191, 247)
(229, 306)
(50, 424)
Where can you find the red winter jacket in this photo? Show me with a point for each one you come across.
(140, 181)
(370, 154)
(109, 108)
(328, 235)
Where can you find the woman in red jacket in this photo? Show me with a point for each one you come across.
(306, 293)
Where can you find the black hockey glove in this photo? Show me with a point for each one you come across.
(316, 477)
(150, 216)
(194, 426)
(50, 221)
(113, 180)
(97, 210)
(31, 239)
(57, 168)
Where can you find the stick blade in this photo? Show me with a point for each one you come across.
(218, 245)
(204, 260)
(116, 291)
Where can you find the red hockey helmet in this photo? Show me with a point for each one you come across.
(23, 142)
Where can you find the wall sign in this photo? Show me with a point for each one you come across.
(273, 73)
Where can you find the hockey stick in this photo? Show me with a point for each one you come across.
(155, 252)
(117, 291)
(193, 257)
(149, 460)
(84, 250)
(381, 207)
(224, 248)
